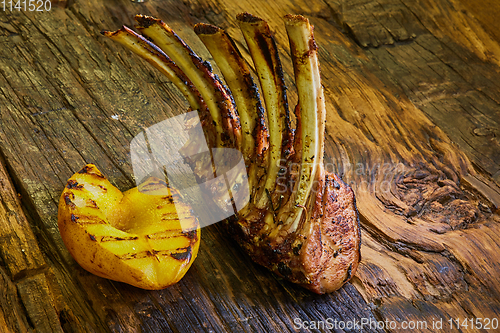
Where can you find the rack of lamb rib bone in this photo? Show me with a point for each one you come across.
(301, 221)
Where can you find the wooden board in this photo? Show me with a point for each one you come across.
(413, 98)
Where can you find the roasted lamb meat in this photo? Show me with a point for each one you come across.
(301, 222)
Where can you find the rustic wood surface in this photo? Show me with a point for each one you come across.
(413, 99)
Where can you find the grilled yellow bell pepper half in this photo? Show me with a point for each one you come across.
(133, 237)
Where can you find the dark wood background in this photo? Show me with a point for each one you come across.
(413, 98)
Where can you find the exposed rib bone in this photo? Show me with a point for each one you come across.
(218, 100)
(314, 239)
(156, 57)
(268, 66)
(312, 110)
(239, 80)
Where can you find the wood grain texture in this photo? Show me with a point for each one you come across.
(413, 106)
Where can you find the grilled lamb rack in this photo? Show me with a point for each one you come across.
(301, 222)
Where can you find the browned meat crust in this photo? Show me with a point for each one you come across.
(301, 222)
